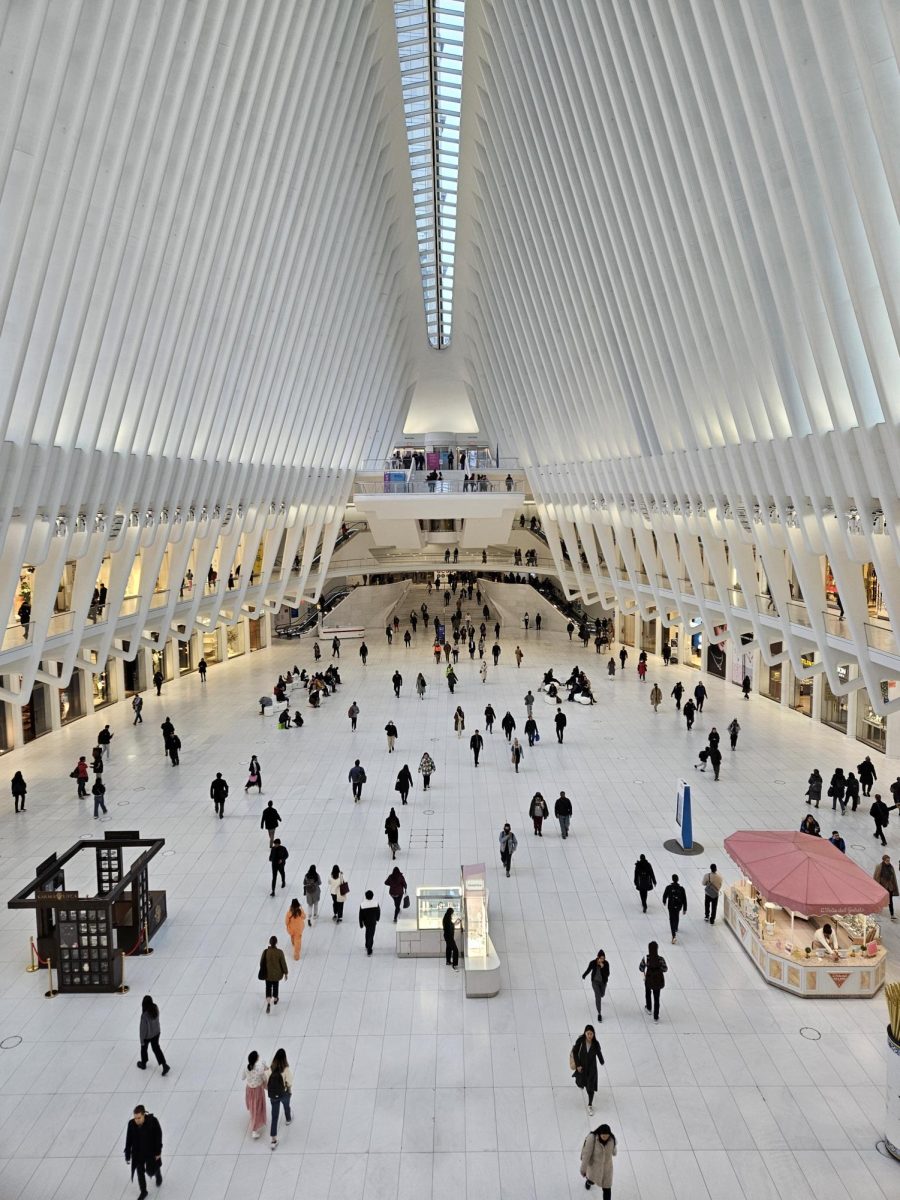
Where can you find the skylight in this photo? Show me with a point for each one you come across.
(430, 42)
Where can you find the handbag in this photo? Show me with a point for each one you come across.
(252, 780)
(73, 774)
(572, 1063)
(344, 888)
(406, 901)
(537, 736)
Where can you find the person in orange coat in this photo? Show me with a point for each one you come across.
(295, 923)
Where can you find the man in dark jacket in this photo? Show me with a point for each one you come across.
(689, 714)
(644, 879)
(866, 772)
(278, 856)
(218, 792)
(678, 692)
(675, 899)
(476, 745)
(880, 814)
(357, 777)
(560, 722)
(369, 916)
(562, 810)
(168, 730)
(143, 1148)
(397, 681)
(700, 696)
(531, 730)
(174, 749)
(450, 946)
(270, 820)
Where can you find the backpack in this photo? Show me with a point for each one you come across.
(275, 1086)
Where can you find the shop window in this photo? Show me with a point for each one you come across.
(741, 662)
(628, 629)
(648, 636)
(211, 647)
(161, 663)
(870, 727)
(695, 645)
(104, 686)
(770, 677)
(715, 655)
(803, 688)
(671, 635)
(234, 640)
(185, 657)
(257, 635)
(5, 740)
(834, 708)
(36, 713)
(70, 706)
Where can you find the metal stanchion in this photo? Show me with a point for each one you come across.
(123, 986)
(33, 965)
(148, 949)
(52, 991)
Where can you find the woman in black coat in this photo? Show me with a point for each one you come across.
(814, 789)
(19, 789)
(404, 782)
(586, 1054)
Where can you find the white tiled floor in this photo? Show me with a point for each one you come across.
(404, 1089)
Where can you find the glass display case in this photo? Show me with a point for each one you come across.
(476, 922)
(432, 902)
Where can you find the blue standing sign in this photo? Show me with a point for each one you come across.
(683, 815)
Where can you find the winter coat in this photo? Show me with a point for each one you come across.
(150, 1027)
(392, 829)
(369, 914)
(675, 898)
(560, 720)
(866, 771)
(643, 875)
(459, 721)
(508, 842)
(476, 742)
(596, 1160)
(218, 789)
(562, 807)
(395, 884)
(517, 755)
(270, 818)
(654, 974)
(143, 1143)
(538, 808)
(18, 785)
(274, 964)
(312, 888)
(887, 877)
(334, 886)
(814, 790)
(598, 970)
(426, 765)
(278, 856)
(587, 1057)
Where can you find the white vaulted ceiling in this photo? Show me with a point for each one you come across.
(674, 295)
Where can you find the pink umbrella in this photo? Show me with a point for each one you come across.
(804, 874)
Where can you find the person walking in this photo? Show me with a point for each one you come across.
(530, 730)
(168, 730)
(364, 652)
(278, 1088)
(272, 969)
(867, 776)
(734, 729)
(98, 790)
(529, 702)
(519, 655)
(746, 685)
(482, 671)
(404, 782)
(420, 686)
(814, 787)
(369, 916)
(104, 738)
(597, 1152)
(391, 730)
(674, 897)
(80, 775)
(644, 879)
(653, 967)
(489, 717)
(335, 647)
(562, 810)
(149, 1035)
(677, 691)
(426, 770)
(19, 790)
(885, 874)
(715, 760)
(201, 670)
(137, 703)
(451, 680)
(623, 658)
(584, 1058)
(598, 969)
(254, 776)
(158, 681)
(339, 888)
(851, 795)
(712, 885)
(459, 721)
(392, 831)
(560, 722)
(312, 893)
(397, 681)
(537, 810)
(278, 856)
(357, 777)
(255, 1075)
(451, 950)
(218, 793)
(517, 755)
(508, 724)
(175, 750)
(396, 886)
(880, 815)
(143, 1148)
(270, 820)
(295, 924)
(353, 713)
(476, 745)
(689, 714)
(836, 789)
(508, 844)
(656, 697)
(700, 694)
(642, 670)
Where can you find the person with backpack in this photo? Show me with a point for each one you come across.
(149, 1035)
(644, 879)
(272, 969)
(653, 968)
(584, 1058)
(396, 886)
(597, 1152)
(218, 793)
(598, 969)
(357, 777)
(508, 844)
(674, 897)
(278, 1087)
(880, 815)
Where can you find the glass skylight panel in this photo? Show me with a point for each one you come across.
(430, 45)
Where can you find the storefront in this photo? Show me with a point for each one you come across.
(834, 708)
(715, 654)
(670, 635)
(803, 688)
(870, 727)
(70, 705)
(104, 685)
(133, 671)
(742, 662)
(792, 885)
(160, 662)
(5, 732)
(36, 719)
(210, 646)
(770, 676)
(648, 635)
(694, 656)
(257, 634)
(235, 642)
(185, 656)
(628, 629)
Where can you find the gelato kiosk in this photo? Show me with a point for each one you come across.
(421, 935)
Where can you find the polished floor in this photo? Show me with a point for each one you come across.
(405, 1090)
